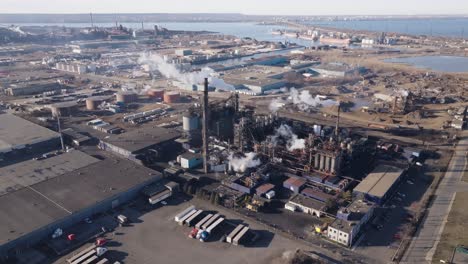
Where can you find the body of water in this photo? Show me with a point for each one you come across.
(446, 27)
(241, 29)
(454, 64)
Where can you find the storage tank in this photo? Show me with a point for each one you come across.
(92, 103)
(155, 93)
(64, 109)
(190, 122)
(171, 97)
(126, 97)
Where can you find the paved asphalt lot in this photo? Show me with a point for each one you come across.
(154, 237)
(425, 242)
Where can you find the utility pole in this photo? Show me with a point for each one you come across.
(205, 127)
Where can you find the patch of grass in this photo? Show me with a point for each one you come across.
(455, 231)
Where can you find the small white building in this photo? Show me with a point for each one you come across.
(190, 160)
(305, 204)
(347, 225)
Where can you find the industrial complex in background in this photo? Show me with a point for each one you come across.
(315, 144)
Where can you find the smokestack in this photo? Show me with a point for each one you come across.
(337, 128)
(92, 22)
(205, 127)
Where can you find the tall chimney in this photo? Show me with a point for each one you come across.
(337, 128)
(205, 127)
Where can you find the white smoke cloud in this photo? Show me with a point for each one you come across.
(155, 62)
(240, 164)
(293, 142)
(276, 104)
(303, 100)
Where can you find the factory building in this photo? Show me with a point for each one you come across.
(294, 184)
(19, 137)
(183, 52)
(190, 160)
(328, 161)
(29, 88)
(337, 70)
(256, 86)
(379, 184)
(39, 196)
(306, 205)
(74, 67)
(349, 221)
(143, 145)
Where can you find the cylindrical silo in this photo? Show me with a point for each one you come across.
(190, 122)
(171, 97)
(92, 103)
(126, 97)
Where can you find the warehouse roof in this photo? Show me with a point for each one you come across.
(307, 202)
(25, 210)
(142, 138)
(16, 132)
(27, 173)
(379, 181)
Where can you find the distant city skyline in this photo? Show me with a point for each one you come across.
(249, 7)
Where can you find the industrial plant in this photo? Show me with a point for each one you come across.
(131, 143)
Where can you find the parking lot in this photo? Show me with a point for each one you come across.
(392, 222)
(154, 237)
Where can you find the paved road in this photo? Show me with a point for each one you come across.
(424, 244)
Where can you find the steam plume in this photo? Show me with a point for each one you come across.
(293, 142)
(240, 164)
(155, 62)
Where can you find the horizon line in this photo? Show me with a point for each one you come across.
(234, 13)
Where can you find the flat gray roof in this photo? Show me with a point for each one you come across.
(24, 210)
(379, 181)
(307, 202)
(357, 210)
(27, 173)
(142, 138)
(16, 132)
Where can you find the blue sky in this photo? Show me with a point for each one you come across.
(262, 7)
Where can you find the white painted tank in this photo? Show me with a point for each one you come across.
(190, 122)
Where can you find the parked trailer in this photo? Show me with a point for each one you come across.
(187, 216)
(159, 197)
(103, 261)
(183, 213)
(210, 221)
(90, 260)
(85, 251)
(214, 225)
(234, 232)
(199, 224)
(192, 218)
(84, 257)
(206, 234)
(239, 236)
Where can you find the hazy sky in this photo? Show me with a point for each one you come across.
(275, 7)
